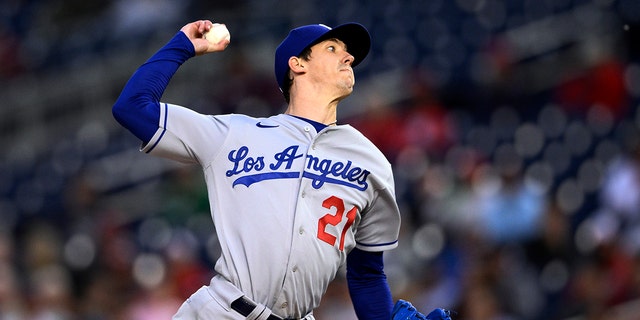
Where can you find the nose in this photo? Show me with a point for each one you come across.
(349, 59)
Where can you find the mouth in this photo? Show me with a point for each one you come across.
(346, 67)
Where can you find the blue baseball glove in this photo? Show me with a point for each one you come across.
(404, 310)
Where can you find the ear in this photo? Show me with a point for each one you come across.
(296, 65)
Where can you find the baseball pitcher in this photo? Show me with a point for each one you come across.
(293, 196)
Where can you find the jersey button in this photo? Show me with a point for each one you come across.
(294, 269)
(307, 129)
(284, 305)
(301, 231)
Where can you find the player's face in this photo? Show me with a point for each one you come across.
(330, 65)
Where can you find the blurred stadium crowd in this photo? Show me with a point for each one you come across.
(512, 126)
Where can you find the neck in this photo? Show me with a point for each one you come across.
(313, 102)
(325, 114)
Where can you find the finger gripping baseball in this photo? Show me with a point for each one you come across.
(404, 310)
(217, 33)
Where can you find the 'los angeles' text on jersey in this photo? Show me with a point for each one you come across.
(255, 168)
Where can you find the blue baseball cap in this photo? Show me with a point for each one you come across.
(354, 35)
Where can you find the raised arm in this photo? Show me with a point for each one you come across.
(138, 107)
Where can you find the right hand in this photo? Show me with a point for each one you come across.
(195, 31)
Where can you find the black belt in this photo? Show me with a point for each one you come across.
(244, 307)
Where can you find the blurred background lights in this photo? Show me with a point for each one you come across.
(149, 270)
(541, 175)
(554, 276)
(155, 233)
(577, 139)
(570, 196)
(552, 121)
(529, 140)
(428, 241)
(79, 251)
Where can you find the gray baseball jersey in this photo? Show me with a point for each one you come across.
(288, 203)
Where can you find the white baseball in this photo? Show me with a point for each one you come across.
(217, 33)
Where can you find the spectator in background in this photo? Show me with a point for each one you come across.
(600, 84)
(620, 193)
(509, 209)
(426, 123)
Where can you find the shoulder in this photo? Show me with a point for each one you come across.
(360, 149)
(235, 119)
(356, 139)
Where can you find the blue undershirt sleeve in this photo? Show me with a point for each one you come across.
(138, 107)
(368, 287)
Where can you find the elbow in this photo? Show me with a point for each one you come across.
(118, 110)
(127, 106)
(136, 116)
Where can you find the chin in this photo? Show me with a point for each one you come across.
(350, 85)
